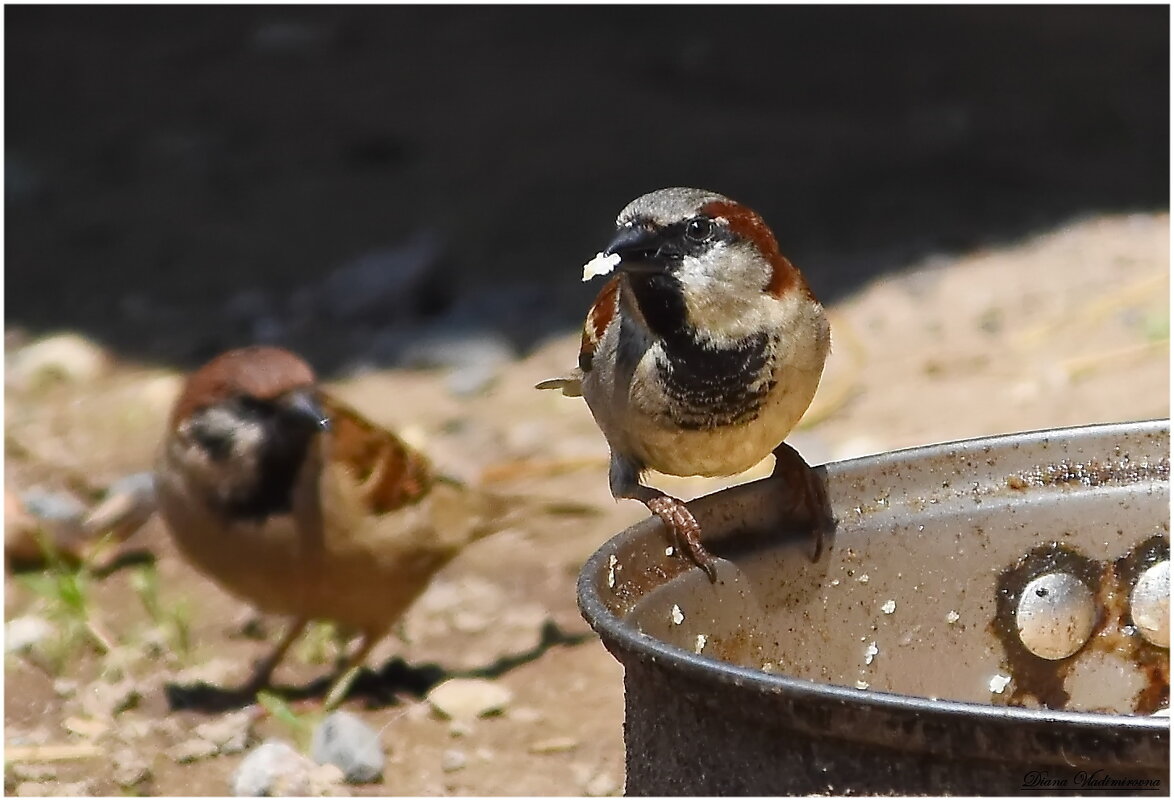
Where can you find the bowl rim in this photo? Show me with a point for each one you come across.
(614, 632)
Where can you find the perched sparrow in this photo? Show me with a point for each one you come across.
(701, 355)
(292, 501)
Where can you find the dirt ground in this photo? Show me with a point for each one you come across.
(1064, 328)
(982, 205)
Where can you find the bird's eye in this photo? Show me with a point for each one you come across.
(699, 229)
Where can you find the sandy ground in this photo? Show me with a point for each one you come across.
(1067, 327)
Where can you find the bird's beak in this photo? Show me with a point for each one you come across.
(640, 250)
(303, 405)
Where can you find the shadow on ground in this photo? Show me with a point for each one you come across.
(181, 180)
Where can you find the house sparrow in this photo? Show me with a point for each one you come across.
(294, 502)
(701, 355)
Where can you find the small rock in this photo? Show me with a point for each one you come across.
(466, 699)
(453, 760)
(37, 519)
(130, 768)
(22, 633)
(128, 504)
(65, 688)
(473, 357)
(33, 772)
(103, 701)
(87, 728)
(276, 769)
(63, 357)
(215, 671)
(526, 714)
(72, 789)
(327, 780)
(600, 785)
(192, 750)
(230, 734)
(344, 740)
(133, 727)
(554, 745)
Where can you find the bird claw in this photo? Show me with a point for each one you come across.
(795, 471)
(686, 530)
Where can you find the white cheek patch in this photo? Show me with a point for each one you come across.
(600, 265)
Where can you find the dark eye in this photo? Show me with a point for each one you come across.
(699, 229)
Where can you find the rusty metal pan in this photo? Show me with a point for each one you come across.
(990, 616)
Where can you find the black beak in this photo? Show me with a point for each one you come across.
(641, 250)
(302, 405)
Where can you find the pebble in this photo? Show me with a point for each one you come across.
(129, 503)
(467, 699)
(33, 772)
(473, 356)
(344, 740)
(276, 769)
(554, 745)
(103, 701)
(22, 633)
(230, 734)
(215, 671)
(71, 789)
(65, 688)
(600, 785)
(192, 750)
(453, 760)
(65, 357)
(130, 768)
(87, 728)
(54, 509)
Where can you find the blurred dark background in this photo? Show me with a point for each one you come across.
(353, 182)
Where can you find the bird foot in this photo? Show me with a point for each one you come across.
(795, 471)
(686, 530)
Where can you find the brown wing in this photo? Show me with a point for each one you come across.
(389, 473)
(602, 312)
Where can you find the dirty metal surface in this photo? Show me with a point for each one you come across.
(970, 621)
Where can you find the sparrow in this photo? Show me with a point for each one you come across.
(293, 501)
(700, 354)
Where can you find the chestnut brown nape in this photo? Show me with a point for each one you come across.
(260, 371)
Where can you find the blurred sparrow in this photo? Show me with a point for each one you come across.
(295, 503)
(701, 354)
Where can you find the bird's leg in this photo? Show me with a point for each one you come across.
(352, 668)
(264, 670)
(672, 511)
(797, 474)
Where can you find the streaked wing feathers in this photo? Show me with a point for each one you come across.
(390, 473)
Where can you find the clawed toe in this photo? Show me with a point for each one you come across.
(686, 531)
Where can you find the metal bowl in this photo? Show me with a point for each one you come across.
(990, 617)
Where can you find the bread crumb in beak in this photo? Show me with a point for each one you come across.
(600, 265)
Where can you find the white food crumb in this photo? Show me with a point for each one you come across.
(699, 644)
(676, 615)
(861, 685)
(952, 617)
(668, 551)
(870, 653)
(999, 683)
(611, 570)
(768, 667)
(863, 578)
(600, 265)
(835, 582)
(889, 607)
